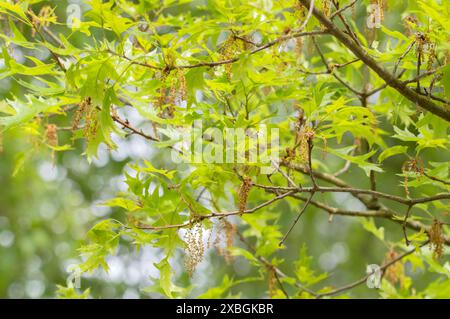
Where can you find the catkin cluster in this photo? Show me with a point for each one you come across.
(379, 13)
(326, 7)
(224, 239)
(51, 134)
(410, 22)
(305, 137)
(84, 105)
(396, 272)
(173, 92)
(447, 54)
(299, 43)
(89, 112)
(91, 123)
(436, 238)
(231, 47)
(243, 193)
(194, 247)
(425, 49)
(300, 13)
(290, 154)
(43, 19)
(162, 96)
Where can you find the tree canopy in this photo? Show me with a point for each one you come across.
(283, 149)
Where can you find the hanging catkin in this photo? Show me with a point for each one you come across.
(436, 238)
(243, 193)
(194, 247)
(51, 134)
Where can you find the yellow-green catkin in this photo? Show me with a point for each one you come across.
(243, 193)
(91, 122)
(396, 272)
(436, 236)
(225, 239)
(194, 247)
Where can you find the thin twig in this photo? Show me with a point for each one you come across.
(436, 179)
(330, 70)
(364, 279)
(407, 242)
(397, 63)
(289, 179)
(265, 262)
(280, 284)
(296, 219)
(218, 214)
(351, 4)
(379, 213)
(422, 75)
(254, 51)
